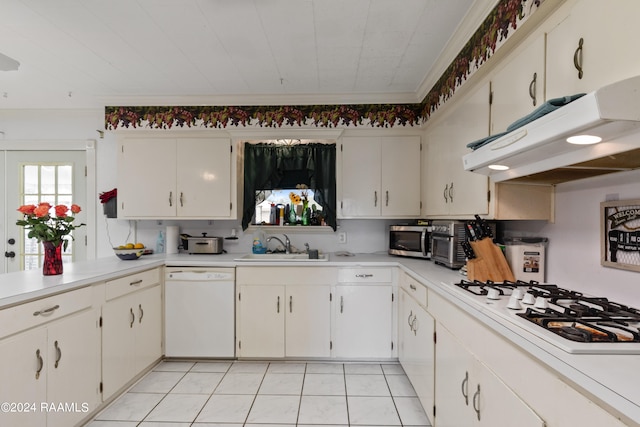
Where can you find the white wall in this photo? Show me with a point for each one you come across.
(573, 255)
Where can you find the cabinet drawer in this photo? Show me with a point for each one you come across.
(127, 284)
(364, 275)
(35, 313)
(414, 288)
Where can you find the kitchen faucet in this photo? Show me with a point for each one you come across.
(286, 244)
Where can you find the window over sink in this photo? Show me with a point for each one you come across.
(297, 177)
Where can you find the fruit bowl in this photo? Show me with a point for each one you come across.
(128, 254)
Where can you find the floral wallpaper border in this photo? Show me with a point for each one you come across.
(494, 30)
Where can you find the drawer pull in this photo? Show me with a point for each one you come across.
(465, 388)
(40, 364)
(577, 58)
(290, 303)
(364, 276)
(409, 319)
(476, 402)
(278, 305)
(141, 313)
(341, 304)
(413, 287)
(136, 283)
(532, 89)
(133, 318)
(47, 311)
(58, 354)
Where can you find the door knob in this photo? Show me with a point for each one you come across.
(10, 254)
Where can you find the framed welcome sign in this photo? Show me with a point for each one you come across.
(620, 234)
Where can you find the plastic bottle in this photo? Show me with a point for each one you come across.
(259, 246)
(160, 243)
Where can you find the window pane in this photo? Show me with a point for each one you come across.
(48, 177)
(65, 180)
(30, 179)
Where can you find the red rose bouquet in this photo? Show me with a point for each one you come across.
(47, 226)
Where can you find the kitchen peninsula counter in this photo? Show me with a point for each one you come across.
(611, 381)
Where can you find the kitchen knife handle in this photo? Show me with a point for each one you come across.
(465, 388)
(577, 58)
(532, 88)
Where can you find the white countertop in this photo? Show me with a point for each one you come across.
(613, 379)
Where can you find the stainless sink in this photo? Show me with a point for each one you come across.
(282, 258)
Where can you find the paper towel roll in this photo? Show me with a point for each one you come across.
(172, 235)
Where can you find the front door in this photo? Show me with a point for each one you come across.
(57, 177)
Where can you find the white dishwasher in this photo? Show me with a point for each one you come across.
(200, 312)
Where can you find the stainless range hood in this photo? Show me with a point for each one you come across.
(539, 152)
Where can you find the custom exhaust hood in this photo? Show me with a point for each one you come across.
(538, 152)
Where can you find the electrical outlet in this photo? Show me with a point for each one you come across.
(342, 237)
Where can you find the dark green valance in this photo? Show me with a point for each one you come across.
(267, 166)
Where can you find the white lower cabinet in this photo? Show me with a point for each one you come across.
(284, 312)
(131, 328)
(468, 394)
(54, 369)
(364, 314)
(416, 348)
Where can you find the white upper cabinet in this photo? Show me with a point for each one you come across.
(450, 190)
(518, 87)
(176, 178)
(600, 39)
(380, 177)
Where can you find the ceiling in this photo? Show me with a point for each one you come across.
(91, 53)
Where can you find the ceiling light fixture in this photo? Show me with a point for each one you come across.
(8, 64)
(498, 167)
(584, 139)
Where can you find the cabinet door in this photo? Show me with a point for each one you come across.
(437, 173)
(118, 340)
(147, 178)
(606, 56)
(360, 183)
(452, 382)
(400, 189)
(363, 321)
(73, 376)
(308, 321)
(23, 364)
(518, 88)
(261, 321)
(417, 349)
(147, 307)
(203, 177)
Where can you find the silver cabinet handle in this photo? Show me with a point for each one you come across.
(445, 193)
(415, 325)
(290, 304)
(451, 192)
(58, 354)
(141, 313)
(413, 287)
(181, 199)
(170, 198)
(409, 319)
(364, 276)
(136, 283)
(465, 388)
(47, 311)
(278, 305)
(40, 364)
(387, 198)
(577, 58)
(532, 88)
(375, 198)
(341, 304)
(476, 402)
(133, 318)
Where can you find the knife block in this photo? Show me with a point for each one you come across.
(489, 263)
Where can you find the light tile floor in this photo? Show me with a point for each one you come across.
(282, 394)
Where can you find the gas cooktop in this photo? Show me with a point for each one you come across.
(570, 320)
